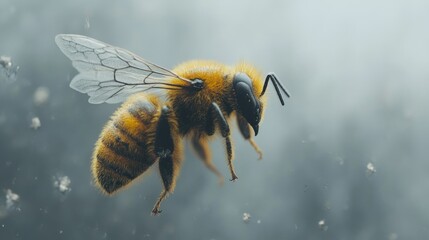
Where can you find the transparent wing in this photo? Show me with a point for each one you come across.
(111, 74)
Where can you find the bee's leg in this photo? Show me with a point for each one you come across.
(203, 151)
(243, 125)
(230, 155)
(169, 157)
(225, 131)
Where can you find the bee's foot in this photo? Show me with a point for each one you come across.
(234, 177)
(156, 211)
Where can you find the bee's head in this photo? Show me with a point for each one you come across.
(248, 104)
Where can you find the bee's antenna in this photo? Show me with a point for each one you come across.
(276, 83)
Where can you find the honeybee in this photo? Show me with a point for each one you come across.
(195, 100)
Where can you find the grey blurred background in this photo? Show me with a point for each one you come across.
(358, 73)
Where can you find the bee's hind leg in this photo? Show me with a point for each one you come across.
(245, 131)
(202, 149)
(169, 156)
(225, 131)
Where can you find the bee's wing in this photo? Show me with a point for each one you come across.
(111, 74)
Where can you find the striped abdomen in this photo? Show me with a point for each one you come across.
(125, 148)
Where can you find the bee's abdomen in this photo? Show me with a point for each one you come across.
(124, 149)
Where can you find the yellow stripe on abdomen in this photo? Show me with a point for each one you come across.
(125, 147)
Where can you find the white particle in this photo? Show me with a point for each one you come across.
(61, 231)
(6, 62)
(370, 168)
(246, 217)
(11, 199)
(259, 221)
(35, 123)
(7, 70)
(322, 225)
(41, 95)
(62, 183)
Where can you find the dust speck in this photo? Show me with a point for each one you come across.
(8, 71)
(62, 183)
(246, 217)
(322, 225)
(35, 123)
(5, 62)
(370, 168)
(11, 199)
(41, 95)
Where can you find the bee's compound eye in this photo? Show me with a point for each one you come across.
(247, 103)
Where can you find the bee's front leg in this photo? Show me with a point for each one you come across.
(230, 155)
(225, 131)
(244, 127)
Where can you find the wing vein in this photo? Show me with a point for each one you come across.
(111, 74)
